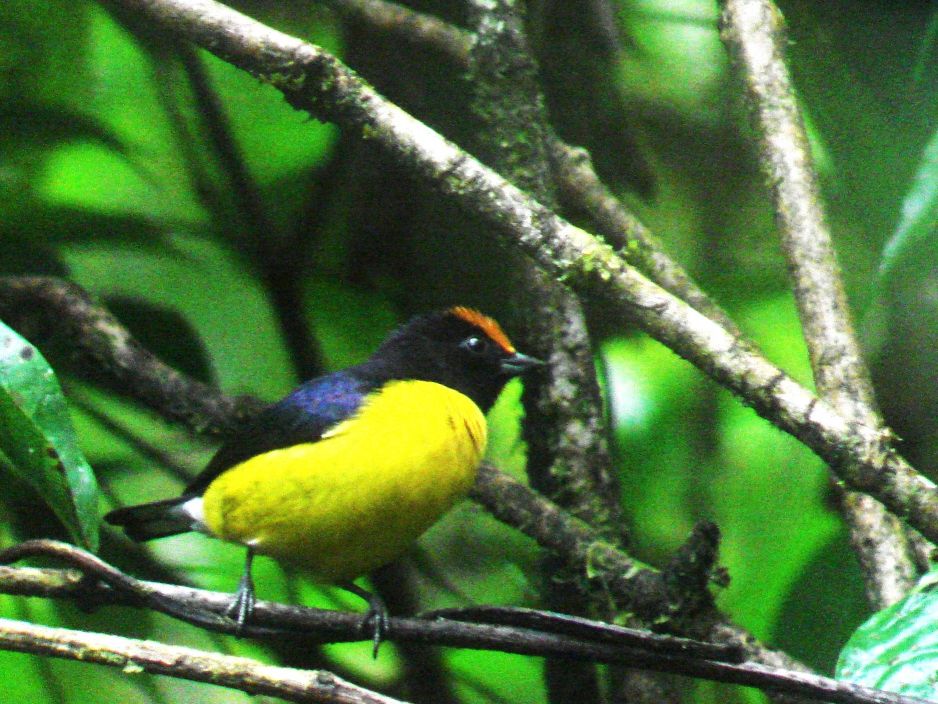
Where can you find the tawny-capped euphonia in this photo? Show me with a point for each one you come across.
(345, 472)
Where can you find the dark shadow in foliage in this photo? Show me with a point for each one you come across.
(35, 259)
(40, 125)
(578, 45)
(26, 514)
(62, 223)
(165, 333)
(823, 607)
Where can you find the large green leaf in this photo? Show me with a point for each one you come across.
(36, 435)
(897, 648)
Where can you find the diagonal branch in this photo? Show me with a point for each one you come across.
(580, 187)
(62, 308)
(754, 33)
(578, 183)
(314, 80)
(409, 25)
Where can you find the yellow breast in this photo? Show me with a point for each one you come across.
(360, 496)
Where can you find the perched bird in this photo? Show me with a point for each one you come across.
(343, 474)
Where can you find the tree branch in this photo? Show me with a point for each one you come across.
(133, 655)
(313, 80)
(753, 31)
(564, 428)
(68, 310)
(637, 587)
(409, 25)
(579, 186)
(564, 637)
(568, 454)
(522, 631)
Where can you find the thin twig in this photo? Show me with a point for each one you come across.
(582, 189)
(753, 30)
(133, 655)
(500, 628)
(409, 25)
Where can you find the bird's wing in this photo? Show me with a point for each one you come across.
(303, 416)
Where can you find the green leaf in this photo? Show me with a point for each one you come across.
(36, 435)
(897, 648)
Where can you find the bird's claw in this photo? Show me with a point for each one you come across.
(377, 619)
(241, 609)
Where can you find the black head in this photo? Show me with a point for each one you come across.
(459, 348)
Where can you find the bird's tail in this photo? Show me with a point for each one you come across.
(154, 520)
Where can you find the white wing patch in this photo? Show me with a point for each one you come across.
(193, 508)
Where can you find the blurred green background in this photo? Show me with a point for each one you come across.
(251, 246)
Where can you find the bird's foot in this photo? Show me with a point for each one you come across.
(375, 619)
(242, 606)
(377, 616)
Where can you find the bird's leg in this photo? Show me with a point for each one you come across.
(242, 607)
(377, 614)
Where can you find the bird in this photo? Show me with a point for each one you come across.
(343, 474)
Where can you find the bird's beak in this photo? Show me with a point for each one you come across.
(519, 364)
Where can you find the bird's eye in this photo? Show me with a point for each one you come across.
(474, 344)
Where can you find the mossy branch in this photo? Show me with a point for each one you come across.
(526, 632)
(314, 80)
(753, 31)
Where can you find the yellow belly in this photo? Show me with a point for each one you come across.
(359, 497)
